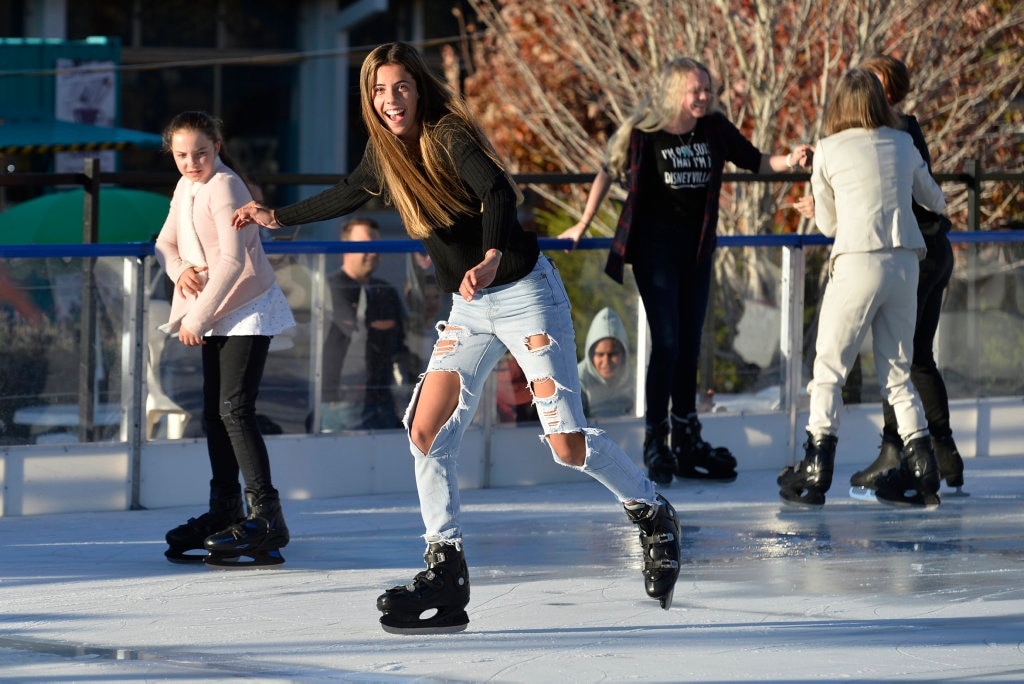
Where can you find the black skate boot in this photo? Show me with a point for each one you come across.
(441, 592)
(225, 509)
(659, 537)
(657, 456)
(916, 481)
(862, 482)
(807, 483)
(259, 537)
(695, 458)
(951, 465)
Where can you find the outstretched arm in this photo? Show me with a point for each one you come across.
(598, 190)
(801, 156)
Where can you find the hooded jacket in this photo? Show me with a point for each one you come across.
(616, 396)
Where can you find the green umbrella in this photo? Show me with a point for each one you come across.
(125, 216)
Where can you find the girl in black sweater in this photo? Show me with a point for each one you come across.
(427, 156)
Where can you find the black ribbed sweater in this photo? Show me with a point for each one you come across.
(455, 249)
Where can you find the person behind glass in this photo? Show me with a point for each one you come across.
(607, 379)
(227, 302)
(427, 155)
(865, 177)
(670, 154)
(366, 311)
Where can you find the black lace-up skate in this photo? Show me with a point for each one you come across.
(862, 482)
(225, 509)
(259, 538)
(657, 456)
(659, 538)
(807, 483)
(436, 599)
(695, 459)
(916, 481)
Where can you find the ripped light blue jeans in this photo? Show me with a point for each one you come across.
(500, 318)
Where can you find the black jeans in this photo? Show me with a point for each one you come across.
(674, 289)
(936, 269)
(232, 371)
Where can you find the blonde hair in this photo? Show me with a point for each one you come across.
(430, 195)
(858, 102)
(656, 110)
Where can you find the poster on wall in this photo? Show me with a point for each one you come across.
(86, 94)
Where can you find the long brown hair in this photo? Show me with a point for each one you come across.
(858, 102)
(430, 195)
(895, 76)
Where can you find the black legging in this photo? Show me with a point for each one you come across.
(674, 289)
(936, 269)
(232, 371)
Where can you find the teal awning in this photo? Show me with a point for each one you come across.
(50, 135)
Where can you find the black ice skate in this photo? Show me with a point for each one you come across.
(916, 481)
(225, 509)
(807, 483)
(951, 465)
(436, 599)
(695, 459)
(259, 538)
(659, 538)
(862, 482)
(657, 456)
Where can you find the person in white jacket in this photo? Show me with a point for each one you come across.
(865, 175)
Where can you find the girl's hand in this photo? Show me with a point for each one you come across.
(802, 155)
(192, 281)
(254, 212)
(574, 234)
(189, 338)
(805, 205)
(480, 276)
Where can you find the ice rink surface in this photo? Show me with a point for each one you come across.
(855, 591)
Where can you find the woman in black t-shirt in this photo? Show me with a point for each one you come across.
(670, 154)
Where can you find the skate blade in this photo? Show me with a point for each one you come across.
(447, 625)
(791, 505)
(412, 631)
(182, 558)
(242, 561)
(708, 477)
(863, 494)
(955, 493)
(666, 600)
(910, 505)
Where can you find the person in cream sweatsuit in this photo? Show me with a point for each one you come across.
(227, 302)
(865, 175)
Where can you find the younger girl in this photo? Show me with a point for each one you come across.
(226, 301)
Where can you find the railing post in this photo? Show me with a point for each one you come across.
(133, 383)
(973, 225)
(318, 324)
(794, 264)
(87, 355)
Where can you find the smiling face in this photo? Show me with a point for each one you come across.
(696, 97)
(607, 357)
(396, 101)
(194, 154)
